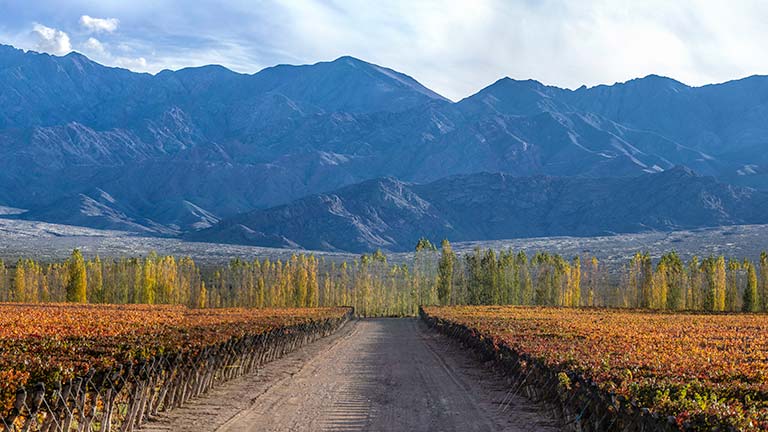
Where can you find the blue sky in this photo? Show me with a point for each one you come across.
(453, 47)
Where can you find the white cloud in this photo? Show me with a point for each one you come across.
(94, 46)
(467, 45)
(561, 42)
(98, 25)
(99, 51)
(135, 64)
(51, 40)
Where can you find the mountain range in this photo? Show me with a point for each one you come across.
(200, 148)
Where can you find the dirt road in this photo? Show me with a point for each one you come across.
(373, 375)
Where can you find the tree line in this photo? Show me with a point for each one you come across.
(376, 287)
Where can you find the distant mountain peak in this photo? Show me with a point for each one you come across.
(347, 84)
(658, 81)
(527, 82)
(206, 68)
(76, 55)
(517, 97)
(657, 77)
(351, 60)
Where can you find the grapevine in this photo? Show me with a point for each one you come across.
(698, 371)
(81, 357)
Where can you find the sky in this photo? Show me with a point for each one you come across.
(453, 47)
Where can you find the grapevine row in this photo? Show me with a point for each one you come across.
(112, 368)
(626, 370)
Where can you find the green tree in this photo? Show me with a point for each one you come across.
(574, 283)
(715, 274)
(148, 286)
(750, 303)
(423, 271)
(302, 283)
(674, 280)
(445, 273)
(474, 278)
(202, 300)
(763, 283)
(720, 284)
(524, 275)
(492, 288)
(3, 282)
(77, 280)
(694, 292)
(734, 268)
(19, 292)
(313, 289)
(95, 279)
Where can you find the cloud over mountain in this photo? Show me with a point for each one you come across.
(455, 52)
(51, 40)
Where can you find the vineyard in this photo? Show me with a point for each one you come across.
(105, 368)
(627, 370)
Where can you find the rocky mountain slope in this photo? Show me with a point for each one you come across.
(177, 151)
(392, 215)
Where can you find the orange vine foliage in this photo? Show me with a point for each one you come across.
(52, 343)
(707, 370)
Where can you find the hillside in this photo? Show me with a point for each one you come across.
(178, 151)
(392, 215)
(224, 143)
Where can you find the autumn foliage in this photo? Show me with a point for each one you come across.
(708, 371)
(54, 343)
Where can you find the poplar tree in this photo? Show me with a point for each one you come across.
(646, 281)
(3, 282)
(750, 291)
(19, 293)
(720, 282)
(660, 286)
(731, 287)
(423, 271)
(492, 290)
(95, 280)
(445, 273)
(673, 267)
(202, 300)
(763, 284)
(313, 288)
(575, 283)
(694, 299)
(302, 280)
(526, 284)
(76, 286)
(474, 278)
(148, 283)
(541, 296)
(634, 295)
(593, 280)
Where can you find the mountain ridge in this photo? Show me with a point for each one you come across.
(392, 215)
(182, 149)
